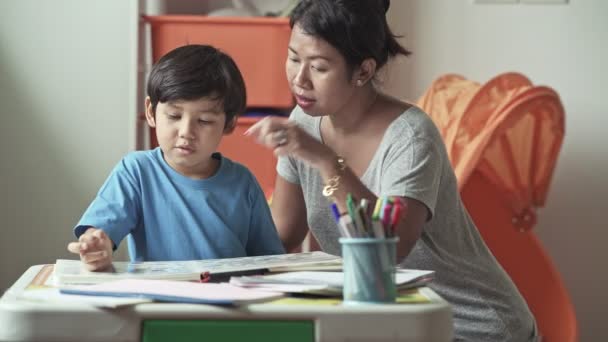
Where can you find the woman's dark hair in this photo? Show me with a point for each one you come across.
(356, 28)
(192, 72)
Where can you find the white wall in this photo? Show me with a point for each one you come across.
(562, 46)
(67, 92)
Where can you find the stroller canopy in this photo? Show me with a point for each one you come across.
(508, 130)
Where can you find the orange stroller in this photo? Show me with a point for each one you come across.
(503, 139)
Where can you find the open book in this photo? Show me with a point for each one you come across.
(174, 292)
(73, 271)
(322, 283)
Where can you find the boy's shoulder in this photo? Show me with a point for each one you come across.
(235, 168)
(140, 163)
(141, 157)
(135, 162)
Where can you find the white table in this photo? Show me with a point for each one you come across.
(22, 320)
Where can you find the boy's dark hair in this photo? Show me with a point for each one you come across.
(192, 72)
(356, 28)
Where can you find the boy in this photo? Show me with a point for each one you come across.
(182, 200)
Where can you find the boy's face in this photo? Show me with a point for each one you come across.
(188, 133)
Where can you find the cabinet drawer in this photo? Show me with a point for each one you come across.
(227, 331)
(258, 46)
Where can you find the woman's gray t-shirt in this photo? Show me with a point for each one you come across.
(411, 161)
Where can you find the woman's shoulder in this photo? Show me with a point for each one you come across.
(413, 122)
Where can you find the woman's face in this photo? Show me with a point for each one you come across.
(317, 74)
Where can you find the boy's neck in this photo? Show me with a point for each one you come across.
(203, 171)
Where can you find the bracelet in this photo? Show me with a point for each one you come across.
(332, 184)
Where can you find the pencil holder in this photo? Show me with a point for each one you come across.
(369, 270)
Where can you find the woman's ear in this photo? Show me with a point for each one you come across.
(364, 72)
(150, 117)
(231, 125)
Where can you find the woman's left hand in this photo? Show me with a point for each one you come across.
(286, 138)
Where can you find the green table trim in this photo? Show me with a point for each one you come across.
(227, 330)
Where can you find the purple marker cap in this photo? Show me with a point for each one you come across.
(336, 212)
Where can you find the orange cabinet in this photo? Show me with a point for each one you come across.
(260, 160)
(257, 45)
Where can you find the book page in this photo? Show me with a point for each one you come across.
(215, 266)
(73, 271)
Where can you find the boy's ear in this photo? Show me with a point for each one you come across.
(231, 125)
(150, 117)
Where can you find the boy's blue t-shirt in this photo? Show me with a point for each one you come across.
(168, 216)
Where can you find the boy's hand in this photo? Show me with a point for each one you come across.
(94, 248)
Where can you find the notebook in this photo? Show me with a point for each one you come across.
(174, 291)
(322, 283)
(73, 271)
(53, 295)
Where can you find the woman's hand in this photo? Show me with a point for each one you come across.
(286, 138)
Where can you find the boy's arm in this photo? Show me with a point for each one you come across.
(289, 213)
(263, 238)
(116, 208)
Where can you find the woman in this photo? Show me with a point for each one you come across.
(345, 136)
